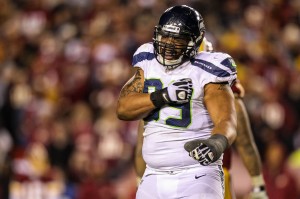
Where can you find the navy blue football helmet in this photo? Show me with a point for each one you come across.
(178, 36)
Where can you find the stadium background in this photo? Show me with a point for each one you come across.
(63, 63)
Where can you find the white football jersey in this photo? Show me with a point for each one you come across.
(169, 128)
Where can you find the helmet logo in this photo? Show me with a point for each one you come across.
(171, 28)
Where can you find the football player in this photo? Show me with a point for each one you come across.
(185, 100)
(244, 143)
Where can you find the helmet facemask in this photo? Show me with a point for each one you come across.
(172, 47)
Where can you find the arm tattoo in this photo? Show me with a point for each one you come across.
(134, 86)
(222, 87)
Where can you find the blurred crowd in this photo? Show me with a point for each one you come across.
(63, 63)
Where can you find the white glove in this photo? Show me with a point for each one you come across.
(179, 92)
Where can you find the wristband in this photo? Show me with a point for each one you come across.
(221, 142)
(159, 98)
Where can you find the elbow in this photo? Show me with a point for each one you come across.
(122, 113)
(123, 117)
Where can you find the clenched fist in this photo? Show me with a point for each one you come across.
(208, 150)
(179, 92)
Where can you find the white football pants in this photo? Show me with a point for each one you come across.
(203, 182)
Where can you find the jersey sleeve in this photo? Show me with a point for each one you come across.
(219, 67)
(142, 55)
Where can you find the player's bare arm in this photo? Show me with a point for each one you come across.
(139, 162)
(133, 104)
(219, 101)
(244, 141)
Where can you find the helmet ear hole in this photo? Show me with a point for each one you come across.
(179, 23)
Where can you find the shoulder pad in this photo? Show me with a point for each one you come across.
(144, 52)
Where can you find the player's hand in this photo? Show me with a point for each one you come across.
(179, 92)
(258, 194)
(207, 151)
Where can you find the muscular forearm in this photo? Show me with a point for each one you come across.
(227, 128)
(135, 106)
